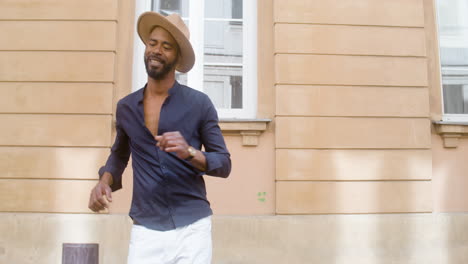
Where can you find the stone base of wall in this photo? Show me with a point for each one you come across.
(363, 239)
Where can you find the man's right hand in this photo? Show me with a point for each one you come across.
(101, 194)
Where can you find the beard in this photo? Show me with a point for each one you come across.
(161, 73)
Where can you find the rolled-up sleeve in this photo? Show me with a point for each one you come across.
(218, 159)
(119, 156)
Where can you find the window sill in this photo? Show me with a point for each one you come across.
(451, 132)
(249, 129)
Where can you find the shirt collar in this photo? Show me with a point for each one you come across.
(173, 90)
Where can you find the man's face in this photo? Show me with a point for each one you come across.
(161, 54)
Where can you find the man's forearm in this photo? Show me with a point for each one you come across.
(199, 161)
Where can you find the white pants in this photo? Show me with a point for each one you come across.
(189, 244)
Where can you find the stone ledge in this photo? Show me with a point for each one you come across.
(434, 238)
(249, 129)
(451, 132)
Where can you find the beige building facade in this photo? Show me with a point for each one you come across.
(346, 161)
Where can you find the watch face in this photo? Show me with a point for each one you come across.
(192, 151)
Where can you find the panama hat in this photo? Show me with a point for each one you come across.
(177, 28)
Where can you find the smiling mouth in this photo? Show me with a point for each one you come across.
(155, 63)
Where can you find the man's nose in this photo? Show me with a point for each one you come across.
(157, 49)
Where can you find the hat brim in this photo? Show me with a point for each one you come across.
(148, 20)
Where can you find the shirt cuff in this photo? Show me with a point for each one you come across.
(116, 183)
(212, 162)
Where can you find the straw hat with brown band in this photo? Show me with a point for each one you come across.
(177, 28)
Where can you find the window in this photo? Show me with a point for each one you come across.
(453, 37)
(223, 35)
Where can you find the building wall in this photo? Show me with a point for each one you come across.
(58, 80)
(448, 164)
(352, 110)
(450, 180)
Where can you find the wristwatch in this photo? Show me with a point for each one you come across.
(192, 152)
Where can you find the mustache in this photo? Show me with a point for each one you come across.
(156, 58)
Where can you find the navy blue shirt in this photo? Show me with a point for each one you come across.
(168, 192)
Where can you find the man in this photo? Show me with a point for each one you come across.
(164, 125)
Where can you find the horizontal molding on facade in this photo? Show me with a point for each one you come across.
(348, 85)
(350, 70)
(60, 51)
(338, 24)
(51, 162)
(55, 130)
(59, 98)
(351, 55)
(52, 9)
(349, 40)
(66, 35)
(28, 82)
(57, 66)
(353, 165)
(363, 133)
(362, 12)
(320, 100)
(52, 196)
(52, 113)
(353, 197)
(57, 20)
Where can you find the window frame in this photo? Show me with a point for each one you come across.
(195, 77)
(448, 74)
